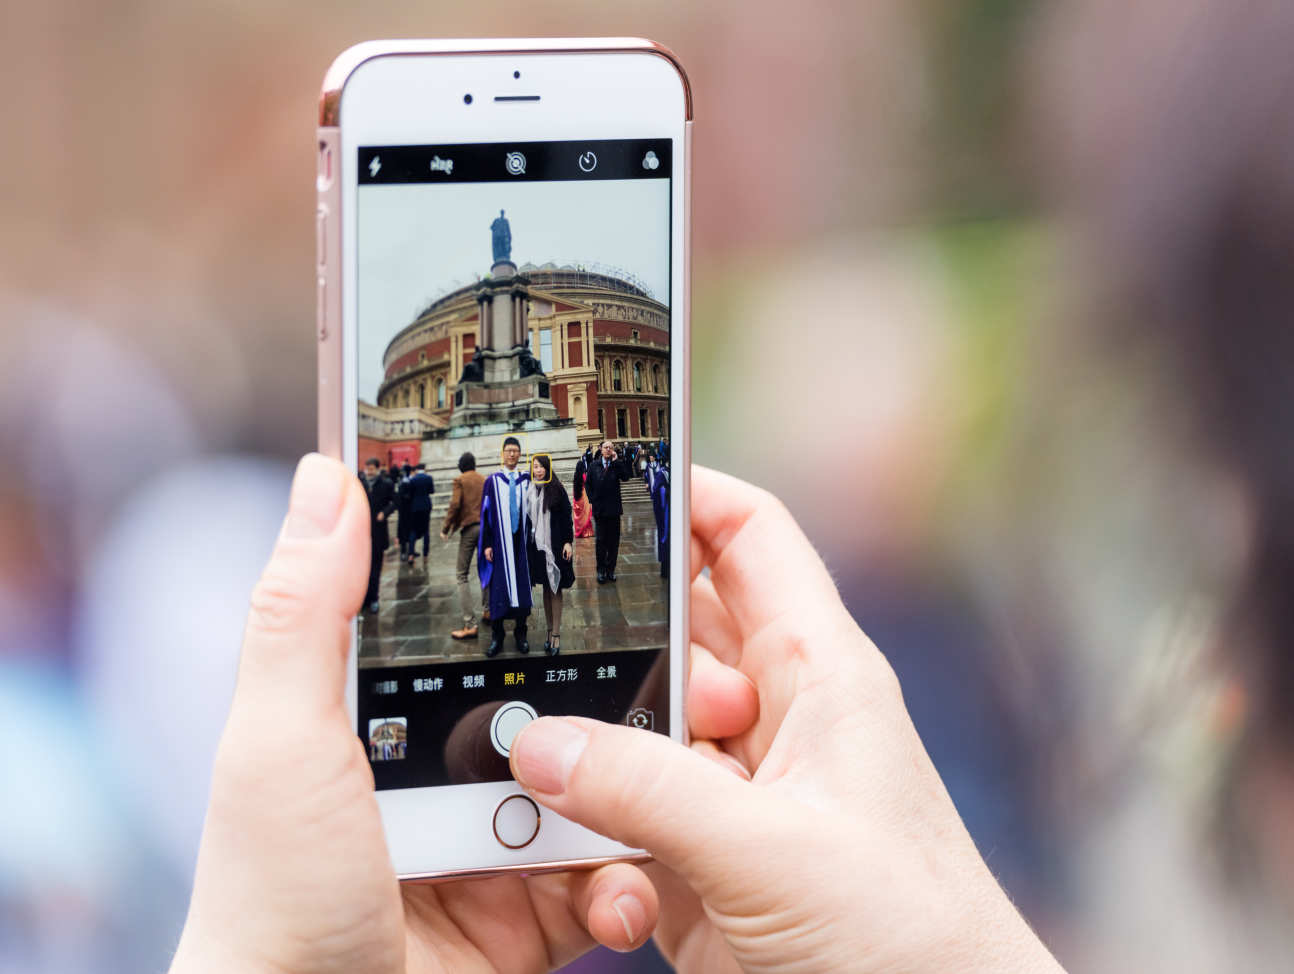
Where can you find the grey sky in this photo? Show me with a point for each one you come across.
(419, 241)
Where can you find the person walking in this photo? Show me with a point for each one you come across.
(421, 487)
(403, 521)
(605, 475)
(549, 545)
(464, 516)
(381, 502)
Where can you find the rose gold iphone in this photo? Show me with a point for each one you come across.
(503, 361)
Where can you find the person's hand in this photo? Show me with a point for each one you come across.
(444, 535)
(489, 554)
(566, 551)
(293, 873)
(843, 851)
(381, 515)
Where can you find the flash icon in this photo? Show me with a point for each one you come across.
(374, 165)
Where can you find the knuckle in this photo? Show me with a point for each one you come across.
(280, 602)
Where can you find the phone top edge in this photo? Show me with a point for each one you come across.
(350, 59)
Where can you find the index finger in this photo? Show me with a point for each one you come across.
(760, 562)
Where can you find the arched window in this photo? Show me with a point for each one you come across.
(422, 396)
(638, 377)
(440, 393)
(406, 395)
(655, 378)
(617, 376)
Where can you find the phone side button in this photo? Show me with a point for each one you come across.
(321, 308)
(321, 236)
(516, 822)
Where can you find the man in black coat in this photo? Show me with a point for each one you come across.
(381, 502)
(421, 486)
(403, 522)
(605, 474)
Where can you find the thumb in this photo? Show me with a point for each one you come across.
(648, 792)
(298, 627)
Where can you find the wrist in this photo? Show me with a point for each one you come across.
(994, 938)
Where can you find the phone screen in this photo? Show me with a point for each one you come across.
(513, 377)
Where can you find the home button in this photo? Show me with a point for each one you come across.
(516, 821)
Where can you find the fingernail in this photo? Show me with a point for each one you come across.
(735, 766)
(631, 913)
(546, 753)
(315, 503)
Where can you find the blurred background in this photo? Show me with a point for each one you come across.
(1008, 282)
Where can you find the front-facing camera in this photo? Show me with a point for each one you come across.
(467, 99)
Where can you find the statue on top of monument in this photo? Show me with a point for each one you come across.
(502, 233)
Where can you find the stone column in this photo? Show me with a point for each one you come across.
(484, 334)
(522, 320)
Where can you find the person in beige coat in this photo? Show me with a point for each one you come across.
(464, 515)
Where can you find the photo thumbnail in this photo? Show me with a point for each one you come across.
(388, 738)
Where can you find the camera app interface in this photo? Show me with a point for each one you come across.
(513, 376)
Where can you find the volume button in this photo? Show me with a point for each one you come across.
(321, 308)
(321, 236)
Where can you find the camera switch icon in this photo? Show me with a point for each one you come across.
(642, 718)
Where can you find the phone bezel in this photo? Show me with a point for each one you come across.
(405, 93)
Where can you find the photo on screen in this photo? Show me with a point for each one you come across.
(513, 379)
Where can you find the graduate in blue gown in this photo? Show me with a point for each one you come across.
(658, 485)
(501, 548)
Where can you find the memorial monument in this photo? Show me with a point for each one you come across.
(503, 389)
(503, 383)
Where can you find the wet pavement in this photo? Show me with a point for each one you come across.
(419, 603)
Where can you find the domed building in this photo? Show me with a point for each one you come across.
(601, 338)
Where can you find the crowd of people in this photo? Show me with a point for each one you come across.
(520, 526)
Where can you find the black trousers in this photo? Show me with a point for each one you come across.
(374, 576)
(420, 527)
(519, 629)
(606, 542)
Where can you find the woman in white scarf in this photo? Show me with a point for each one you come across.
(552, 534)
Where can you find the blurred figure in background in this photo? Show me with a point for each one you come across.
(1152, 516)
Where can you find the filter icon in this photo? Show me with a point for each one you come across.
(650, 161)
